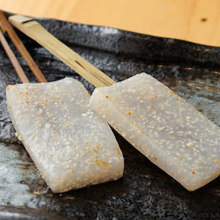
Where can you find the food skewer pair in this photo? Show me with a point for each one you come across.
(69, 143)
(160, 124)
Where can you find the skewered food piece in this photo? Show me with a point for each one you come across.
(162, 126)
(69, 143)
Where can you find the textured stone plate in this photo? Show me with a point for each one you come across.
(145, 191)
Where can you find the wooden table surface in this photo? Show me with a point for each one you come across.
(191, 20)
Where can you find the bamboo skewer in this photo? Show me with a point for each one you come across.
(35, 31)
(6, 27)
(13, 59)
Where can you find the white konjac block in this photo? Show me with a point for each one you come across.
(69, 143)
(162, 126)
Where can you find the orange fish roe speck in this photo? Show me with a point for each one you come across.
(26, 101)
(105, 163)
(154, 97)
(133, 116)
(193, 172)
(155, 158)
(177, 99)
(106, 97)
(152, 107)
(129, 113)
(46, 101)
(98, 162)
(180, 157)
(101, 162)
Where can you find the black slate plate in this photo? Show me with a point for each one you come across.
(145, 191)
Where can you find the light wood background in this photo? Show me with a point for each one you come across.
(193, 20)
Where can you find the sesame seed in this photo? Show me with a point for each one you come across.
(96, 149)
(19, 137)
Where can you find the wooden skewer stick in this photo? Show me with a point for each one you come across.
(35, 31)
(5, 25)
(13, 59)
